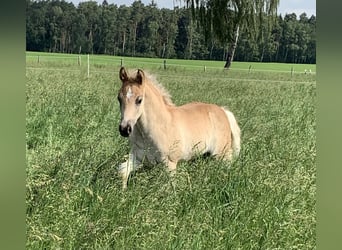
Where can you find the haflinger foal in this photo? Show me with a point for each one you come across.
(161, 132)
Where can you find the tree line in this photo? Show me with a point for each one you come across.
(148, 31)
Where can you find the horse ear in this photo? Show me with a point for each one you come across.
(123, 74)
(140, 76)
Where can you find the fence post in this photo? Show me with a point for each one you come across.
(79, 60)
(164, 64)
(88, 64)
(249, 69)
(292, 71)
(205, 68)
(38, 58)
(121, 62)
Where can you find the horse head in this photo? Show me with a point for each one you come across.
(131, 99)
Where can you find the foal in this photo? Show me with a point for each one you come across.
(161, 132)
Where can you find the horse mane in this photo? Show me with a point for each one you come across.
(152, 80)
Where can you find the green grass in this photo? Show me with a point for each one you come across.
(264, 200)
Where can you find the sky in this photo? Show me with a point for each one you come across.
(285, 6)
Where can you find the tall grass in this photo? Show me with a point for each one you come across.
(264, 200)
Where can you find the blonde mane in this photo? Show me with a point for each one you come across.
(152, 80)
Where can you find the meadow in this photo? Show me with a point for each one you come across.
(266, 199)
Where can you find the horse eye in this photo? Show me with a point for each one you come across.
(138, 100)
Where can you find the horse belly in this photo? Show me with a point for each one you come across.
(205, 129)
(195, 139)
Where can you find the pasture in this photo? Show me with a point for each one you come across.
(264, 200)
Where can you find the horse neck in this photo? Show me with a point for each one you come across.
(156, 112)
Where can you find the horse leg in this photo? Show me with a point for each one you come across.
(228, 155)
(126, 168)
(171, 166)
(224, 154)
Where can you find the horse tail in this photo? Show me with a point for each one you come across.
(235, 132)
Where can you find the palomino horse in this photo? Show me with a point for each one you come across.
(161, 132)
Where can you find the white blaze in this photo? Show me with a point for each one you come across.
(129, 93)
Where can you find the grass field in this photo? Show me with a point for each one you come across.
(99, 62)
(264, 200)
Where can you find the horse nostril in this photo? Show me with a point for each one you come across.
(129, 129)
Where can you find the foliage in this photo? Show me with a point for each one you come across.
(264, 200)
(139, 30)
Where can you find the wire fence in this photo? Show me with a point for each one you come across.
(89, 64)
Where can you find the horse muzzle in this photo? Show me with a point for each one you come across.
(125, 130)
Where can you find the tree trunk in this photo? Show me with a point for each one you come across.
(211, 50)
(286, 52)
(163, 53)
(90, 39)
(123, 43)
(135, 37)
(276, 56)
(189, 56)
(232, 47)
(262, 53)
